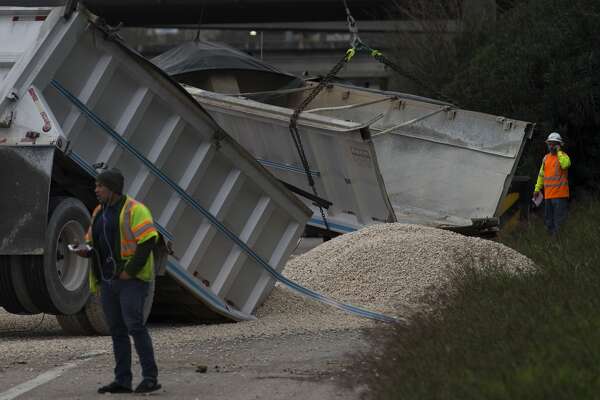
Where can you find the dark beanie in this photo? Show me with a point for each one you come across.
(112, 179)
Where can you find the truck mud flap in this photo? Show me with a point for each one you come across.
(25, 182)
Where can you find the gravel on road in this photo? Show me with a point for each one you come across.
(384, 267)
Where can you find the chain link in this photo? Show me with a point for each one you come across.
(401, 71)
(352, 27)
(357, 45)
(294, 123)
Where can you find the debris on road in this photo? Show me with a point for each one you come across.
(384, 267)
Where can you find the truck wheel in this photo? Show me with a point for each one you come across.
(96, 317)
(87, 322)
(58, 281)
(8, 294)
(18, 267)
(149, 300)
(76, 324)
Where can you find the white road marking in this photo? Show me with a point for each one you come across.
(46, 377)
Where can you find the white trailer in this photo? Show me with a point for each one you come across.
(72, 97)
(379, 156)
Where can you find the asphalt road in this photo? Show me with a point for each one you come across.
(307, 366)
(40, 362)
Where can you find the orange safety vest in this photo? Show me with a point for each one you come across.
(556, 179)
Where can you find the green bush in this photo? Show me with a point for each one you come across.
(503, 336)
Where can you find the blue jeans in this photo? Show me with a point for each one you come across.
(555, 213)
(123, 305)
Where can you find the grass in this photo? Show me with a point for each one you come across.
(502, 336)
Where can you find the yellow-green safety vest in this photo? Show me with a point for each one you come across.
(135, 227)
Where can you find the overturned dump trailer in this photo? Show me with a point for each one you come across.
(72, 95)
(376, 156)
(379, 156)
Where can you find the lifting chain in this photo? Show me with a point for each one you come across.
(352, 27)
(378, 55)
(294, 123)
(358, 45)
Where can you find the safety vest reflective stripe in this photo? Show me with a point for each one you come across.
(128, 243)
(551, 181)
(140, 232)
(556, 184)
(141, 227)
(562, 177)
(138, 226)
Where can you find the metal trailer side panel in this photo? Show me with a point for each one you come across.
(442, 166)
(437, 165)
(19, 28)
(115, 107)
(343, 163)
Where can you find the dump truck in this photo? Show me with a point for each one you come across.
(75, 99)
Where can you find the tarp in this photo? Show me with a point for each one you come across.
(201, 55)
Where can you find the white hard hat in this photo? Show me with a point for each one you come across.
(554, 137)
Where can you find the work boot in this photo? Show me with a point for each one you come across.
(147, 386)
(114, 387)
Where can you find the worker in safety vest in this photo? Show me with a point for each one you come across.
(122, 236)
(553, 179)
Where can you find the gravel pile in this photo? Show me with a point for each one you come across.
(385, 268)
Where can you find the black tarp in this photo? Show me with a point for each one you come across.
(193, 62)
(200, 55)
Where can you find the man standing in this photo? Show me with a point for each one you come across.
(122, 235)
(553, 178)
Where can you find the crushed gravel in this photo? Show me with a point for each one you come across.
(384, 267)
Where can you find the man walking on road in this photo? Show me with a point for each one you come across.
(122, 235)
(553, 179)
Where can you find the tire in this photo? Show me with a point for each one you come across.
(18, 267)
(58, 281)
(91, 320)
(95, 314)
(149, 300)
(76, 324)
(8, 295)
